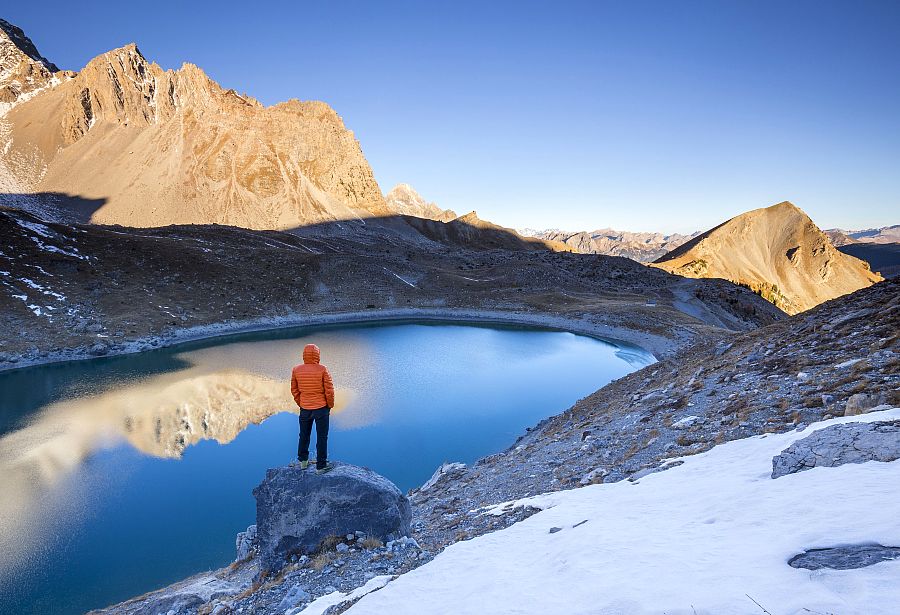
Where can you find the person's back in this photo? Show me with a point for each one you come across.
(313, 392)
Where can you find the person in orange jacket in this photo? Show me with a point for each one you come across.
(313, 391)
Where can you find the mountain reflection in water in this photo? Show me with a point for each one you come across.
(127, 473)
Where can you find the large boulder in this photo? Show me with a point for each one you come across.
(840, 444)
(297, 509)
(861, 403)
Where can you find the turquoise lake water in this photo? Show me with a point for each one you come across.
(124, 474)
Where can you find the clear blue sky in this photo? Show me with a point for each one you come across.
(669, 115)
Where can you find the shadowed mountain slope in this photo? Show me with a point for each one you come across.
(882, 257)
(777, 252)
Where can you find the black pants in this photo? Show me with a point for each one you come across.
(320, 417)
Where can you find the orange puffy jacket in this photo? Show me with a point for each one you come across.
(311, 383)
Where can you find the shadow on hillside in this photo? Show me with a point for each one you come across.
(480, 235)
(54, 206)
(882, 257)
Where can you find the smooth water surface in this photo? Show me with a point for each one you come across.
(121, 475)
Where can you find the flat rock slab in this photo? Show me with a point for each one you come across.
(840, 444)
(844, 558)
(297, 509)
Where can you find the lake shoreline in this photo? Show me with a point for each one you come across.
(658, 346)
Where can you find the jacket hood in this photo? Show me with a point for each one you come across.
(311, 353)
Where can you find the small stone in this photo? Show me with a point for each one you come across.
(294, 596)
(553, 530)
(351, 537)
(342, 548)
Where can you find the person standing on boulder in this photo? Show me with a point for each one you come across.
(313, 391)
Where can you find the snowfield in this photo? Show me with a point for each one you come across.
(709, 537)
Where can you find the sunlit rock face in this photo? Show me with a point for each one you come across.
(167, 147)
(23, 70)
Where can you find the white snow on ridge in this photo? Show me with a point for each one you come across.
(708, 537)
(54, 249)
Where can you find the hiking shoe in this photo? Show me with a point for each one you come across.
(328, 467)
(304, 465)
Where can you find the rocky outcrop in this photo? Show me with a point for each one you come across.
(245, 544)
(296, 510)
(846, 557)
(167, 147)
(840, 444)
(861, 403)
(404, 200)
(777, 252)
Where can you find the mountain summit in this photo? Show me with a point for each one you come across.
(22, 68)
(776, 251)
(159, 147)
(404, 200)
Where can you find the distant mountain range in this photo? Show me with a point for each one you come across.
(885, 234)
(641, 247)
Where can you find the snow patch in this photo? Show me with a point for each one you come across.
(710, 536)
(407, 282)
(34, 227)
(320, 605)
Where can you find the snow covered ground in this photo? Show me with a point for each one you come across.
(711, 536)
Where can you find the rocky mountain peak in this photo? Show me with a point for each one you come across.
(15, 35)
(164, 147)
(403, 199)
(778, 252)
(119, 86)
(23, 70)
